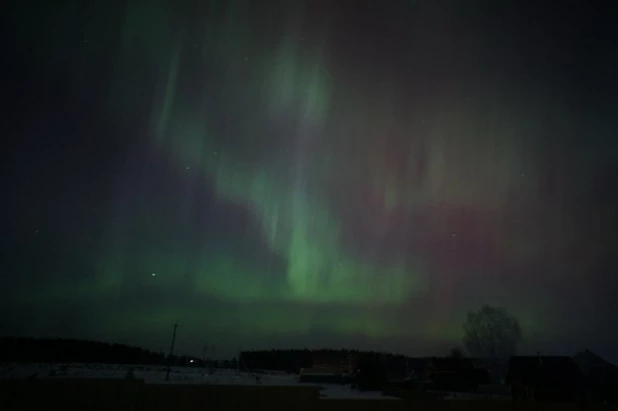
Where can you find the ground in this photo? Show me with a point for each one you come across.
(179, 375)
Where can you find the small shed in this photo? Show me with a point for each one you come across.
(455, 374)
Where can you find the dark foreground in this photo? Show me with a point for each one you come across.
(120, 395)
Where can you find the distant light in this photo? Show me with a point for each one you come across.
(188, 167)
(190, 360)
(153, 274)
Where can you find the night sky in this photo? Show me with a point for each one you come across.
(281, 174)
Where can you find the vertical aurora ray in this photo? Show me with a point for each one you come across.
(161, 116)
(305, 233)
(353, 193)
(297, 224)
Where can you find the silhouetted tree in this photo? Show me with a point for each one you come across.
(491, 333)
(457, 353)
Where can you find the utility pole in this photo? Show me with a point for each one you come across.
(169, 360)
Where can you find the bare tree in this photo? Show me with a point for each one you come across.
(491, 333)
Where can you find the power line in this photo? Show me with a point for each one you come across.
(169, 360)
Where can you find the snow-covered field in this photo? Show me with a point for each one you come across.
(196, 375)
(178, 375)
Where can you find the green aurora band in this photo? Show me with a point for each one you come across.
(314, 281)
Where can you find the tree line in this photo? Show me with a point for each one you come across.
(50, 350)
(490, 333)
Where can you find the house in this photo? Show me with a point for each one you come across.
(601, 376)
(328, 367)
(545, 378)
(455, 374)
(338, 362)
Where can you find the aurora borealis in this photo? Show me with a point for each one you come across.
(356, 174)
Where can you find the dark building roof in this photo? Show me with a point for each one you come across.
(549, 367)
(596, 368)
(601, 377)
(549, 377)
